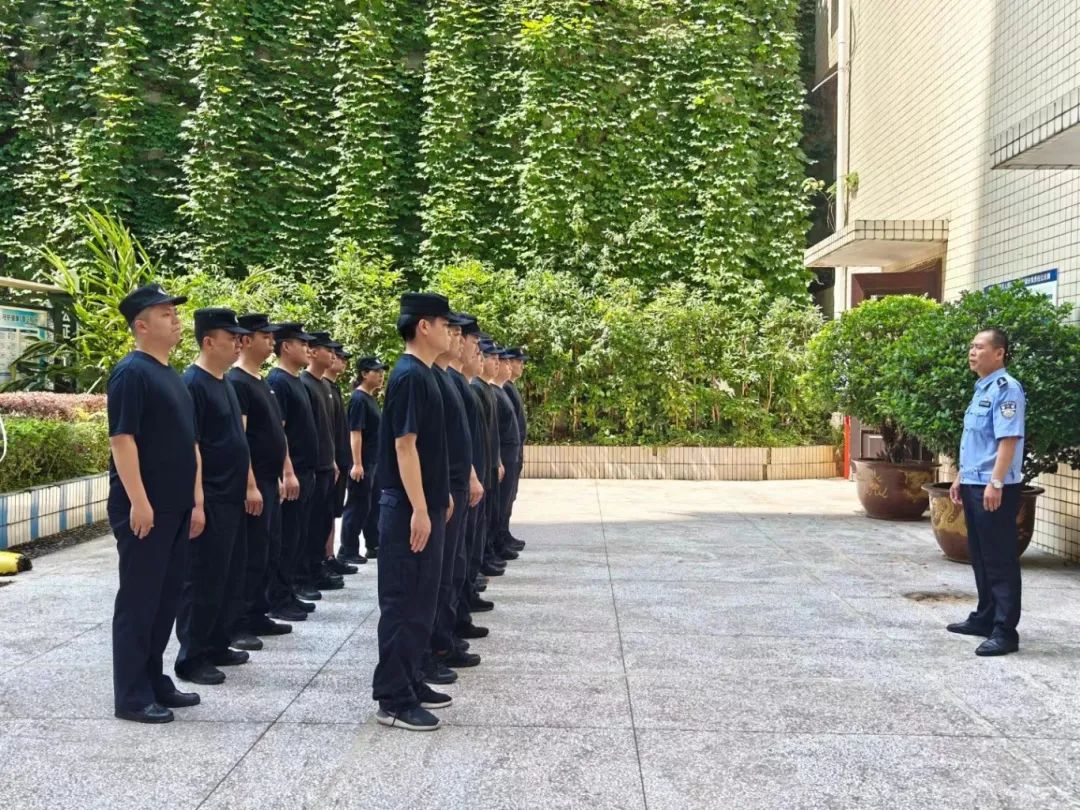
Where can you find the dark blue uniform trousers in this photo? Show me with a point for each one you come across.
(408, 592)
(453, 574)
(263, 555)
(151, 576)
(507, 494)
(995, 558)
(294, 521)
(215, 574)
(320, 521)
(492, 499)
(473, 548)
(360, 515)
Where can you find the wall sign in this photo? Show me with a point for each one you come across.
(1044, 282)
(20, 327)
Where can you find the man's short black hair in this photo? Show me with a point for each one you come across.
(406, 325)
(998, 339)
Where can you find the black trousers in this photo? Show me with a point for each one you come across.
(294, 521)
(995, 558)
(408, 592)
(214, 575)
(359, 504)
(507, 493)
(151, 576)
(492, 500)
(453, 574)
(263, 555)
(320, 521)
(339, 489)
(472, 549)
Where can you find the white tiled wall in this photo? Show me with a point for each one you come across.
(932, 83)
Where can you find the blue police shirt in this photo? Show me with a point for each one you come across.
(996, 412)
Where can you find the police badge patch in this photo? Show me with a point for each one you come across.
(1008, 409)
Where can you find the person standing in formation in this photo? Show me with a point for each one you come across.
(361, 506)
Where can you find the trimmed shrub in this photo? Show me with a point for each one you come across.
(43, 451)
(46, 405)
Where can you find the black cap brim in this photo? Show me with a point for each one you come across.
(237, 330)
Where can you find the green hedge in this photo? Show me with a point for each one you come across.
(43, 451)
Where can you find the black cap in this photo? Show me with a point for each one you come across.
(459, 319)
(490, 347)
(516, 353)
(344, 355)
(370, 364)
(149, 295)
(468, 324)
(323, 339)
(211, 318)
(428, 305)
(291, 330)
(257, 322)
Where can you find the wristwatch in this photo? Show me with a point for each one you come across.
(997, 483)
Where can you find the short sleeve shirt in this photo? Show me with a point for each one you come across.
(321, 406)
(458, 434)
(413, 404)
(364, 417)
(294, 402)
(487, 406)
(342, 452)
(265, 434)
(220, 433)
(149, 401)
(519, 409)
(509, 436)
(475, 419)
(997, 411)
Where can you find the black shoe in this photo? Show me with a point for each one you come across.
(306, 592)
(516, 545)
(517, 541)
(328, 583)
(246, 641)
(154, 713)
(480, 580)
(307, 607)
(480, 588)
(229, 658)
(430, 699)
(997, 645)
(470, 630)
(461, 660)
(508, 554)
(372, 553)
(263, 626)
(438, 672)
(333, 565)
(290, 614)
(204, 674)
(178, 700)
(351, 558)
(969, 628)
(478, 605)
(491, 571)
(417, 719)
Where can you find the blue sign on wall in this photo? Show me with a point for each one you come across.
(1044, 282)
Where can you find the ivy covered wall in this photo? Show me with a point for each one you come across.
(647, 139)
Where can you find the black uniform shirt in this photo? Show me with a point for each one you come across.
(294, 402)
(487, 405)
(519, 408)
(265, 434)
(413, 404)
(342, 450)
(458, 435)
(509, 436)
(321, 407)
(364, 418)
(149, 401)
(220, 433)
(477, 428)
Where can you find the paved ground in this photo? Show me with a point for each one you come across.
(660, 645)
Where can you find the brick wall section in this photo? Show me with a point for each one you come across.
(932, 83)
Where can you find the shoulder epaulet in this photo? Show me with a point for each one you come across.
(1002, 382)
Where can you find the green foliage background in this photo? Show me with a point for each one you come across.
(656, 140)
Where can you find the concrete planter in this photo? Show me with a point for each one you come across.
(51, 508)
(681, 463)
(950, 529)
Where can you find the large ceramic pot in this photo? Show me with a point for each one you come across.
(950, 530)
(891, 491)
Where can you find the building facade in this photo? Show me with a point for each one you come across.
(963, 131)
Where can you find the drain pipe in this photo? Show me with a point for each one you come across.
(843, 10)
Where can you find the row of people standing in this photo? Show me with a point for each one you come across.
(224, 489)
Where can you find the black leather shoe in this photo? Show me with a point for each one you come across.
(351, 559)
(491, 571)
(246, 641)
(326, 583)
(300, 604)
(372, 553)
(461, 660)
(230, 658)
(154, 713)
(480, 588)
(470, 630)
(508, 554)
(290, 614)
(418, 719)
(308, 593)
(333, 565)
(178, 700)
(969, 628)
(996, 645)
(478, 605)
(205, 674)
(439, 673)
(516, 545)
(265, 627)
(480, 580)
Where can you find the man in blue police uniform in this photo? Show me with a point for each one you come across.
(217, 558)
(414, 506)
(988, 486)
(154, 506)
(361, 505)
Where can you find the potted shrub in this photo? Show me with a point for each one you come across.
(929, 386)
(846, 359)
